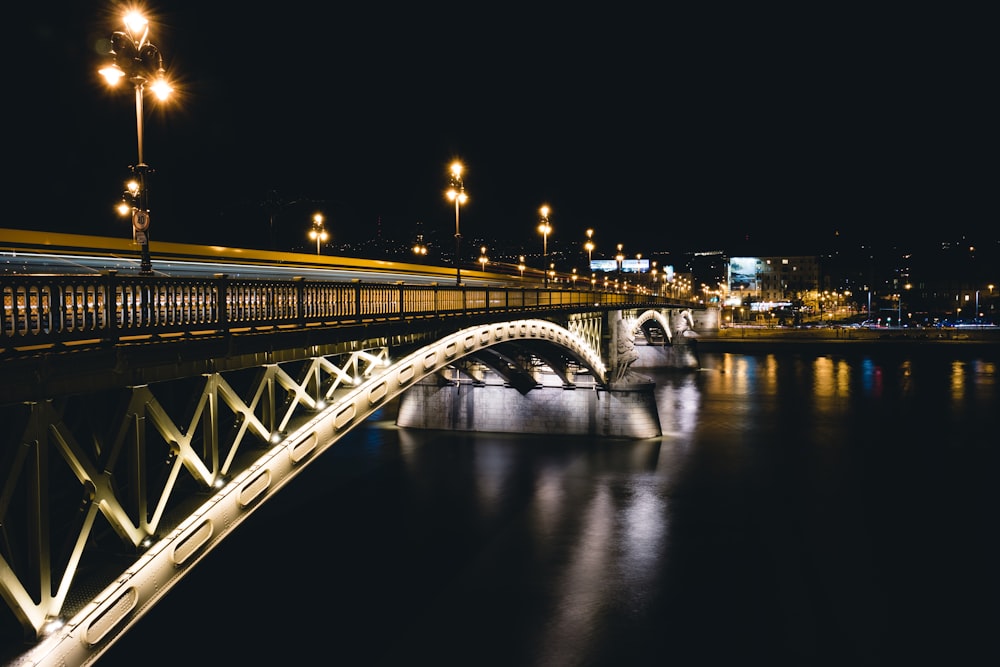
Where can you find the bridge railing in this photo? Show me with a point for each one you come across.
(49, 310)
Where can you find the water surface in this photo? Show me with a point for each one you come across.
(799, 509)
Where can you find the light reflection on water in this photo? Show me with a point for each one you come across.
(798, 510)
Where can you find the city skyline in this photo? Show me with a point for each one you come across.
(719, 130)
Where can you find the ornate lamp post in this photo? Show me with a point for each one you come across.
(520, 266)
(544, 228)
(620, 258)
(482, 257)
(589, 247)
(137, 59)
(456, 193)
(419, 247)
(318, 232)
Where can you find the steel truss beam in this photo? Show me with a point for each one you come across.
(133, 496)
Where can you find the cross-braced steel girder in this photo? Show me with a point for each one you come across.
(132, 497)
(136, 459)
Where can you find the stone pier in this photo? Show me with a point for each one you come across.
(622, 411)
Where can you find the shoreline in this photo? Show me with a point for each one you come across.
(756, 340)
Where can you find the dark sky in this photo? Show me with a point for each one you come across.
(663, 129)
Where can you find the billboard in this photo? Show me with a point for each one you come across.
(628, 265)
(744, 274)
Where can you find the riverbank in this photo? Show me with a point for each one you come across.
(756, 339)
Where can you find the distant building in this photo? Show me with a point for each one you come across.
(774, 282)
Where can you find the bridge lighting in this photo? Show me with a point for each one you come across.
(482, 257)
(135, 58)
(52, 626)
(456, 193)
(589, 247)
(318, 231)
(419, 248)
(544, 228)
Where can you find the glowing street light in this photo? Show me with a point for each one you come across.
(520, 266)
(456, 193)
(419, 248)
(620, 259)
(482, 257)
(899, 304)
(137, 59)
(544, 228)
(318, 232)
(589, 247)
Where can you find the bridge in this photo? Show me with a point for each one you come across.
(148, 416)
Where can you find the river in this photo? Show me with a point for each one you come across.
(799, 509)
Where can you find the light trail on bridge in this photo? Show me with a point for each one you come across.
(32, 253)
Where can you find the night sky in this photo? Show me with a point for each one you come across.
(665, 129)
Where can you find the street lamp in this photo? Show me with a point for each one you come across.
(418, 247)
(318, 232)
(520, 266)
(620, 258)
(137, 59)
(482, 257)
(545, 229)
(589, 247)
(899, 305)
(456, 193)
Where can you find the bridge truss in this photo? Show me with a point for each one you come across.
(110, 498)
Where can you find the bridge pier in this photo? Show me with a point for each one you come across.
(681, 355)
(625, 410)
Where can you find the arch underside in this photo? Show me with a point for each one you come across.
(655, 328)
(517, 351)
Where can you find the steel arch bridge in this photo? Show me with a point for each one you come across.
(144, 480)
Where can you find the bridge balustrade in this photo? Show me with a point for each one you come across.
(50, 310)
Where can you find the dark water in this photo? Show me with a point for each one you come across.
(798, 510)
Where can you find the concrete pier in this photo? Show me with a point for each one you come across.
(623, 411)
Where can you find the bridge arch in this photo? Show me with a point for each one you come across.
(535, 337)
(654, 316)
(240, 489)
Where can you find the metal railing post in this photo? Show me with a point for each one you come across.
(222, 299)
(111, 307)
